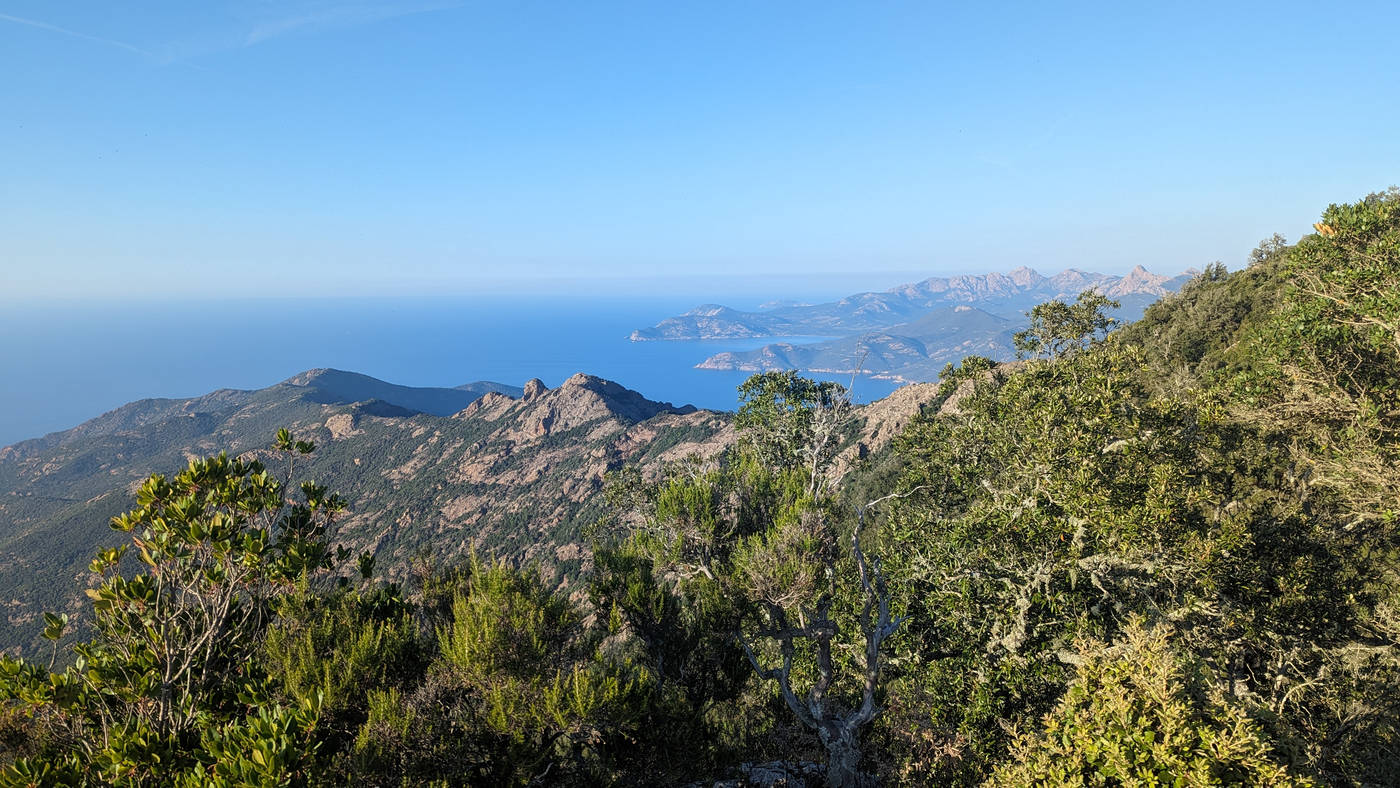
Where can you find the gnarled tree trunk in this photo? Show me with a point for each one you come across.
(843, 757)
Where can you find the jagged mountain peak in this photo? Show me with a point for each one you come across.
(518, 485)
(1072, 281)
(1139, 280)
(1024, 276)
(579, 400)
(589, 393)
(534, 387)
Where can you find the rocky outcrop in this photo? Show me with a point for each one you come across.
(534, 388)
(773, 774)
(882, 420)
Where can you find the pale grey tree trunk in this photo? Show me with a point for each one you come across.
(843, 758)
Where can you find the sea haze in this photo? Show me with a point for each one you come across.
(62, 363)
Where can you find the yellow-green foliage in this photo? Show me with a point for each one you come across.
(1141, 713)
(784, 566)
(169, 690)
(337, 649)
(520, 667)
(506, 622)
(518, 645)
(332, 649)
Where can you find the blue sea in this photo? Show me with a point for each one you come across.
(62, 363)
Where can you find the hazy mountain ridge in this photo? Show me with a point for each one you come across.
(324, 386)
(1006, 295)
(342, 387)
(907, 333)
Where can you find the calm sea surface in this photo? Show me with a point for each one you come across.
(64, 363)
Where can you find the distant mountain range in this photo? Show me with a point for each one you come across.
(908, 332)
(513, 472)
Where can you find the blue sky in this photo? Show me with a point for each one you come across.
(338, 148)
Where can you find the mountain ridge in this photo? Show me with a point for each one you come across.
(512, 476)
(909, 332)
(1007, 294)
(335, 386)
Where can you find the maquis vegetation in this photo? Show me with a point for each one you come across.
(1159, 554)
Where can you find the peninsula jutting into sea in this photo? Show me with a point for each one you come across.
(909, 332)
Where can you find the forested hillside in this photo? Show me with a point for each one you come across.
(514, 477)
(1158, 555)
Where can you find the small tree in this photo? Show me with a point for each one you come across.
(165, 684)
(749, 549)
(792, 422)
(220, 541)
(1058, 328)
(796, 576)
(838, 726)
(1268, 249)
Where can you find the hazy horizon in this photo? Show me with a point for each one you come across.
(740, 292)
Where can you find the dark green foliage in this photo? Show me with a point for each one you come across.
(747, 551)
(518, 693)
(686, 640)
(162, 692)
(1194, 333)
(1057, 498)
(664, 579)
(1058, 328)
(1223, 468)
(781, 417)
(968, 369)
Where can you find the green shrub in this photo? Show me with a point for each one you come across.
(1141, 713)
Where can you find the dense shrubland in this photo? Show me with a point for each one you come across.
(1164, 555)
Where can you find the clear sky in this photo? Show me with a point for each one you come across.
(219, 148)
